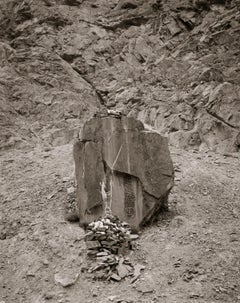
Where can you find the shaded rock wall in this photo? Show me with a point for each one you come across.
(171, 64)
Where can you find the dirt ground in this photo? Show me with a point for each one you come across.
(191, 254)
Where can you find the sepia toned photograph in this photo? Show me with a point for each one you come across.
(119, 151)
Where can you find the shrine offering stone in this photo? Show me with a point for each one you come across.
(133, 163)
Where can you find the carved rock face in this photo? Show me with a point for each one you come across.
(132, 162)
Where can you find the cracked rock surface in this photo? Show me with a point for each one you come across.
(171, 64)
(133, 162)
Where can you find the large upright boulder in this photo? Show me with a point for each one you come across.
(132, 163)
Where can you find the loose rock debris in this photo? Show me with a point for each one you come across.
(65, 280)
(108, 240)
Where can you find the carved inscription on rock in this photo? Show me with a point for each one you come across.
(129, 196)
(132, 162)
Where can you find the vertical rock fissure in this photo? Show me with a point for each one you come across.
(127, 150)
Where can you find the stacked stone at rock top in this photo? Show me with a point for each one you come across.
(135, 161)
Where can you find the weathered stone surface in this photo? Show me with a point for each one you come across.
(135, 160)
(171, 64)
(66, 279)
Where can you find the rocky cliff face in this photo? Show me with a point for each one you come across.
(171, 64)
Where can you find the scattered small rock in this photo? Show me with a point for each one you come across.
(45, 262)
(145, 288)
(50, 196)
(137, 272)
(70, 190)
(3, 235)
(48, 296)
(94, 293)
(115, 277)
(177, 263)
(134, 237)
(65, 279)
(47, 149)
(66, 179)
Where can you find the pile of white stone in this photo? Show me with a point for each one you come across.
(108, 240)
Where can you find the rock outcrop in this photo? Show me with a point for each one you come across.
(171, 64)
(132, 163)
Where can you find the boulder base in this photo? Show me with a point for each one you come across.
(133, 163)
